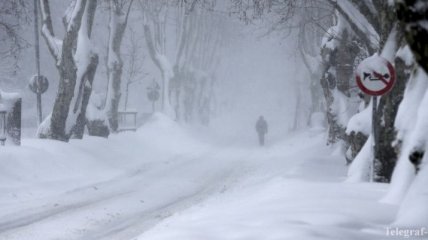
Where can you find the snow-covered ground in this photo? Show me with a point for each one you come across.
(166, 182)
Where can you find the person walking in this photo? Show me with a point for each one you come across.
(262, 129)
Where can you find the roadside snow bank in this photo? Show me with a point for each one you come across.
(411, 124)
(40, 166)
(360, 169)
(162, 133)
(414, 209)
(282, 207)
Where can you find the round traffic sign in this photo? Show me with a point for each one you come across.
(38, 84)
(153, 95)
(375, 75)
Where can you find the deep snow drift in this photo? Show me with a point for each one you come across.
(166, 182)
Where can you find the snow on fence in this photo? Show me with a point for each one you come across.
(127, 120)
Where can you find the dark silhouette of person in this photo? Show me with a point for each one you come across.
(262, 129)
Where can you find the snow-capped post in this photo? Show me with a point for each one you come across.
(2, 127)
(375, 76)
(153, 93)
(10, 117)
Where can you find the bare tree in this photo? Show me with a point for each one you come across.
(106, 118)
(119, 14)
(13, 15)
(154, 14)
(134, 62)
(186, 82)
(76, 63)
(201, 38)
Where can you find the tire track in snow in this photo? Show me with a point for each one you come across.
(17, 220)
(134, 225)
(113, 191)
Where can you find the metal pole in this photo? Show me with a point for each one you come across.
(3, 126)
(36, 46)
(39, 108)
(375, 139)
(153, 106)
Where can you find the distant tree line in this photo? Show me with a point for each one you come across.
(187, 71)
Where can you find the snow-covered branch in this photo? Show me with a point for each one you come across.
(359, 24)
(54, 43)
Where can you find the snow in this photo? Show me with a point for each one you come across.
(361, 22)
(82, 58)
(406, 55)
(78, 6)
(33, 80)
(343, 107)
(167, 182)
(94, 110)
(273, 209)
(361, 167)
(390, 48)
(418, 137)
(331, 39)
(361, 122)
(7, 100)
(409, 124)
(407, 188)
(45, 126)
(54, 43)
(372, 63)
(317, 121)
(415, 90)
(167, 75)
(414, 209)
(113, 59)
(69, 12)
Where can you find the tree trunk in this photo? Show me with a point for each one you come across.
(166, 74)
(117, 26)
(86, 84)
(67, 118)
(415, 32)
(335, 80)
(385, 154)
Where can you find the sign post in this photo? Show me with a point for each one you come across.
(153, 93)
(39, 84)
(375, 76)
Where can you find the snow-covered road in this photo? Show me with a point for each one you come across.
(162, 183)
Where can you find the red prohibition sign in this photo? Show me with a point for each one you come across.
(370, 71)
